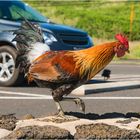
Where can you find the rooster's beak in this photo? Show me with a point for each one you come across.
(128, 51)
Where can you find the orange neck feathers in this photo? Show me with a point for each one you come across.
(90, 61)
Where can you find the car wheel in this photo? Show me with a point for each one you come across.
(9, 75)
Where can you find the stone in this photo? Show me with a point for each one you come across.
(127, 121)
(4, 132)
(27, 117)
(104, 131)
(8, 122)
(39, 132)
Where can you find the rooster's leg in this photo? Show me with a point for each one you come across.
(61, 116)
(59, 108)
(77, 101)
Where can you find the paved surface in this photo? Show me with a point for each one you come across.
(116, 82)
(37, 101)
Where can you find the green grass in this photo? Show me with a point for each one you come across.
(100, 19)
(134, 53)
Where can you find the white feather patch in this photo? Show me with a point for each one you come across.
(36, 50)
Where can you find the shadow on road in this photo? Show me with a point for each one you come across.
(97, 81)
(93, 116)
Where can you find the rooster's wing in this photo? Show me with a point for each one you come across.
(55, 67)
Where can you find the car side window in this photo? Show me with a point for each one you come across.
(4, 12)
(14, 10)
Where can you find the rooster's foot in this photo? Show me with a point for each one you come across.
(77, 101)
(81, 104)
(60, 119)
(61, 114)
(65, 118)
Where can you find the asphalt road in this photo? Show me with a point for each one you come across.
(124, 68)
(17, 100)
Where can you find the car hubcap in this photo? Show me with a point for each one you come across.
(7, 66)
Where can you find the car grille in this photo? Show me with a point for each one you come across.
(74, 39)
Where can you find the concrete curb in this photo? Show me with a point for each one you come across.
(104, 87)
(117, 82)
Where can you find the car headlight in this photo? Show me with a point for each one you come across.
(90, 41)
(49, 38)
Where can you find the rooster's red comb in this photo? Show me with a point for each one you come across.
(121, 38)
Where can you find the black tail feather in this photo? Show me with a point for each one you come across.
(29, 33)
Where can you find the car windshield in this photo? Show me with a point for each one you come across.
(10, 10)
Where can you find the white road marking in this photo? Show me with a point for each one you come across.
(110, 98)
(23, 98)
(21, 93)
(84, 98)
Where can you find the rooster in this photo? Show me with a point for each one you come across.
(62, 71)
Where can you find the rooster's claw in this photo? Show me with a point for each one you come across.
(81, 103)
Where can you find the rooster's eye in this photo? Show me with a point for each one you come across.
(121, 47)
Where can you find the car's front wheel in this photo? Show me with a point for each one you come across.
(9, 75)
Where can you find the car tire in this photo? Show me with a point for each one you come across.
(9, 75)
